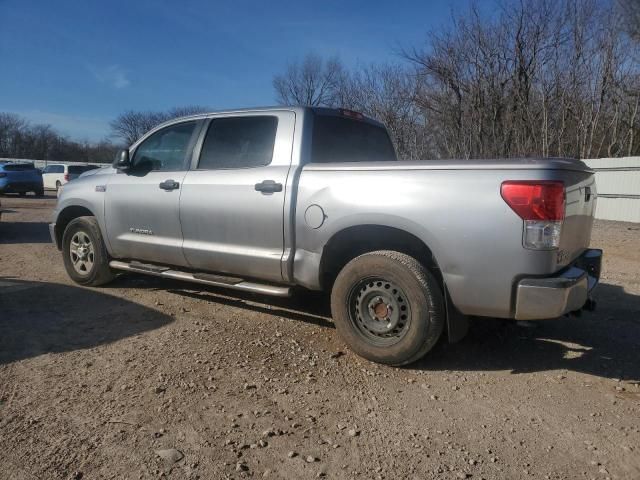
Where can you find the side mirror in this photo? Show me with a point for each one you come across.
(122, 161)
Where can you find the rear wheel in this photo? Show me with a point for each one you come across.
(23, 194)
(39, 192)
(387, 307)
(85, 255)
(58, 185)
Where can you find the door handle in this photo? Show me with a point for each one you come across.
(268, 186)
(169, 185)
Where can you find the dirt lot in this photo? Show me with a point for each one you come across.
(95, 382)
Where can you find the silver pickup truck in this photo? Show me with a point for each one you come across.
(264, 200)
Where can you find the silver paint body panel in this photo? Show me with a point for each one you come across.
(217, 222)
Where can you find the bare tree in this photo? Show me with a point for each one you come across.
(20, 139)
(314, 81)
(536, 78)
(630, 16)
(542, 78)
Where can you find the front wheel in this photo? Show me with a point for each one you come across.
(387, 307)
(85, 255)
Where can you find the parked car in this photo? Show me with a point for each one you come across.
(266, 200)
(20, 178)
(55, 175)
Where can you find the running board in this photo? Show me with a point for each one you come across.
(203, 278)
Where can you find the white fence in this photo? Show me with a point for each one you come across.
(618, 185)
(44, 163)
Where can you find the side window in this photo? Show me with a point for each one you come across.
(239, 142)
(165, 150)
(54, 169)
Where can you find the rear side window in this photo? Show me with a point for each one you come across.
(164, 150)
(239, 142)
(77, 169)
(339, 139)
(54, 169)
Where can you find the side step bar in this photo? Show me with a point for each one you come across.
(203, 278)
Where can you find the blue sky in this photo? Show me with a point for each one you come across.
(77, 64)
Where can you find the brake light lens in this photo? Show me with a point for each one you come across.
(66, 177)
(2, 175)
(541, 204)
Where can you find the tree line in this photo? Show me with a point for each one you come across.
(536, 78)
(21, 139)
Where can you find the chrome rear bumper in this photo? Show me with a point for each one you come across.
(568, 291)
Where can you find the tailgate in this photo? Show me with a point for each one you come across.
(580, 206)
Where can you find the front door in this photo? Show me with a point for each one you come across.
(142, 204)
(232, 202)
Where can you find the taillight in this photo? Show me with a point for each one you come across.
(541, 205)
(66, 177)
(2, 175)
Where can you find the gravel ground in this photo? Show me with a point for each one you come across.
(148, 378)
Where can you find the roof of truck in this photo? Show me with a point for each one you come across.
(293, 108)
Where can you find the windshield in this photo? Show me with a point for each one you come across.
(340, 139)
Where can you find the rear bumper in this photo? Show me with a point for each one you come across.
(568, 291)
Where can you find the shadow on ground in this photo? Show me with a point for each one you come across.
(603, 343)
(304, 305)
(23, 232)
(38, 318)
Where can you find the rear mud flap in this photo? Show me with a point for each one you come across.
(457, 322)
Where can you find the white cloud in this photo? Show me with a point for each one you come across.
(113, 75)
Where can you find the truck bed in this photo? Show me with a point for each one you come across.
(456, 209)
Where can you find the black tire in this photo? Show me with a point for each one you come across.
(98, 272)
(23, 194)
(39, 193)
(396, 281)
(58, 185)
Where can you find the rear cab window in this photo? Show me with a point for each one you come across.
(341, 138)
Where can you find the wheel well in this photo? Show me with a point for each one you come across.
(65, 216)
(353, 241)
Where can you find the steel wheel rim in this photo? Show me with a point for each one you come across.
(379, 311)
(81, 253)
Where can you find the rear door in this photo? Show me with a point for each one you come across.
(142, 204)
(232, 203)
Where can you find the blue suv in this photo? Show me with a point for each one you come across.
(20, 178)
